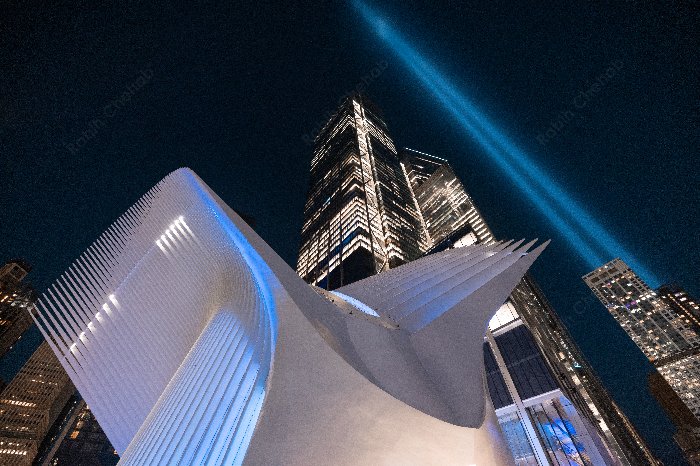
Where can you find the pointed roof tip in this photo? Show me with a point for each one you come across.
(538, 250)
(180, 170)
(526, 248)
(515, 245)
(527, 245)
(499, 247)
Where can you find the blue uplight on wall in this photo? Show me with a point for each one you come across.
(585, 234)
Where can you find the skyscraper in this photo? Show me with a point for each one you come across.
(84, 441)
(687, 435)
(659, 331)
(541, 423)
(16, 298)
(445, 208)
(360, 217)
(576, 377)
(550, 404)
(30, 404)
(665, 335)
(679, 300)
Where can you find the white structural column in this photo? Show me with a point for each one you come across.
(194, 343)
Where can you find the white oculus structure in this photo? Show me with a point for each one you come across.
(193, 342)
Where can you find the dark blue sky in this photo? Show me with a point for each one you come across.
(100, 101)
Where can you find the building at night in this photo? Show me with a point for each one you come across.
(576, 378)
(30, 404)
(16, 299)
(687, 435)
(81, 441)
(200, 345)
(685, 305)
(664, 332)
(545, 420)
(360, 217)
(445, 208)
(32, 430)
(551, 406)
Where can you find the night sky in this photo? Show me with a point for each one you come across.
(99, 102)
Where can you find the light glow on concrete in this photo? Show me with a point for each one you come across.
(211, 350)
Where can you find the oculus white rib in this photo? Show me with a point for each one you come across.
(194, 343)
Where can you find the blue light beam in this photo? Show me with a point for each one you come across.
(593, 243)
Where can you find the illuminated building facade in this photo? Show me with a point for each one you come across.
(542, 425)
(666, 336)
(30, 404)
(678, 299)
(577, 379)
(360, 217)
(193, 342)
(16, 298)
(659, 331)
(545, 419)
(687, 435)
(551, 406)
(444, 205)
(83, 442)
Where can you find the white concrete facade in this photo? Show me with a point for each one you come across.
(193, 342)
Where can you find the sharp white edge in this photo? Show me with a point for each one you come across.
(124, 310)
(167, 326)
(430, 286)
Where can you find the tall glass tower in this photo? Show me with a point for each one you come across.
(360, 217)
(665, 334)
(445, 207)
(576, 377)
(369, 209)
(16, 298)
(30, 404)
(684, 304)
(551, 406)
